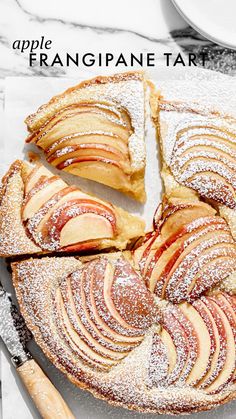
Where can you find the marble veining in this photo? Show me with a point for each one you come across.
(22, 19)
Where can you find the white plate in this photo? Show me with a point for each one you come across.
(215, 19)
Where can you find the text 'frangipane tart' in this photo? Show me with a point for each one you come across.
(190, 250)
(41, 213)
(99, 324)
(96, 130)
(198, 149)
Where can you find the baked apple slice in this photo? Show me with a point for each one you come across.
(190, 250)
(41, 213)
(196, 341)
(226, 334)
(87, 306)
(96, 130)
(73, 296)
(176, 331)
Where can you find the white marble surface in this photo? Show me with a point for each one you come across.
(94, 26)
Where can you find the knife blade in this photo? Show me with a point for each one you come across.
(13, 330)
(16, 335)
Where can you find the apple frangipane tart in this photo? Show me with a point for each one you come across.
(198, 148)
(98, 323)
(40, 212)
(153, 328)
(96, 130)
(190, 250)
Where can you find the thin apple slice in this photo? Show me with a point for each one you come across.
(227, 373)
(142, 252)
(194, 343)
(34, 175)
(37, 196)
(36, 221)
(173, 265)
(159, 253)
(232, 300)
(92, 307)
(78, 343)
(51, 230)
(90, 150)
(218, 188)
(221, 300)
(125, 288)
(225, 302)
(178, 214)
(180, 341)
(78, 353)
(101, 282)
(96, 137)
(69, 120)
(53, 121)
(209, 167)
(163, 267)
(202, 362)
(191, 260)
(111, 173)
(87, 227)
(75, 303)
(214, 272)
(86, 329)
(216, 357)
(69, 193)
(83, 122)
(230, 311)
(157, 244)
(61, 332)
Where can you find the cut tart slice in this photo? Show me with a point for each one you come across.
(39, 212)
(96, 130)
(82, 313)
(197, 343)
(190, 250)
(198, 148)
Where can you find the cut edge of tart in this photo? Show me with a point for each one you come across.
(39, 212)
(96, 130)
(198, 152)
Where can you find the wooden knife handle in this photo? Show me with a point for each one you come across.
(47, 399)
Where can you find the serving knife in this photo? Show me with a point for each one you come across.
(16, 335)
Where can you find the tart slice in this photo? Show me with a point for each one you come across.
(190, 250)
(96, 130)
(39, 212)
(83, 314)
(198, 148)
